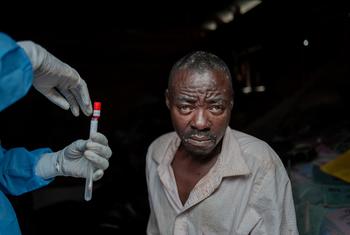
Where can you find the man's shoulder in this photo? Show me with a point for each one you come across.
(253, 147)
(159, 146)
(246, 140)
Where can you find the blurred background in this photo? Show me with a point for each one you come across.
(290, 67)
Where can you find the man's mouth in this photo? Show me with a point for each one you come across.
(199, 141)
(199, 138)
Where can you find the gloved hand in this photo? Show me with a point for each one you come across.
(53, 78)
(75, 159)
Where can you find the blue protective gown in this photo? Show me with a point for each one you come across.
(17, 165)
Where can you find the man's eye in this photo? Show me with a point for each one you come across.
(216, 109)
(185, 109)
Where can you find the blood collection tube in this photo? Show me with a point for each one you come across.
(93, 129)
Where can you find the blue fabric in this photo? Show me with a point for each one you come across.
(16, 73)
(17, 176)
(17, 170)
(8, 219)
(17, 165)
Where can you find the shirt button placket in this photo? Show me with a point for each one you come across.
(180, 227)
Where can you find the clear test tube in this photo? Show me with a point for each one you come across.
(93, 129)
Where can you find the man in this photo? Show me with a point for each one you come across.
(21, 65)
(206, 178)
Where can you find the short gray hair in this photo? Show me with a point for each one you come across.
(200, 61)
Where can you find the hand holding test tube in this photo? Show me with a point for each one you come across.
(93, 129)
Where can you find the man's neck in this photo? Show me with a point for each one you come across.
(200, 159)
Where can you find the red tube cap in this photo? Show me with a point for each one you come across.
(97, 105)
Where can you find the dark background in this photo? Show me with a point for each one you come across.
(124, 52)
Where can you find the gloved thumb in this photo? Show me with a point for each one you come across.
(98, 174)
(99, 138)
(75, 149)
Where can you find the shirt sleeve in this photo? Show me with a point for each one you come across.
(274, 203)
(16, 72)
(152, 226)
(17, 170)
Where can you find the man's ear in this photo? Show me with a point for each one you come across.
(167, 101)
(231, 104)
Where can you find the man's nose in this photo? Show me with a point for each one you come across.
(200, 120)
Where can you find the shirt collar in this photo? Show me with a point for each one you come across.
(230, 161)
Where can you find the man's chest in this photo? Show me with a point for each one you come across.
(185, 182)
(187, 174)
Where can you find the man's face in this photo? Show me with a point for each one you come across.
(200, 106)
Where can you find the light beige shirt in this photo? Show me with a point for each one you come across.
(247, 191)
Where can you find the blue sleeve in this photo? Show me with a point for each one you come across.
(16, 73)
(17, 170)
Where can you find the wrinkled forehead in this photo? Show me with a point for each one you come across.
(200, 80)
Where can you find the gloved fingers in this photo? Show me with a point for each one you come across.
(72, 102)
(62, 75)
(99, 138)
(81, 94)
(100, 149)
(56, 98)
(97, 175)
(96, 160)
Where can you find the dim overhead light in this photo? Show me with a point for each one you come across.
(210, 25)
(260, 88)
(226, 16)
(247, 5)
(247, 89)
